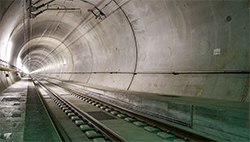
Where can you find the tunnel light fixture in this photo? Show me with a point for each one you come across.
(9, 51)
(25, 70)
(21, 67)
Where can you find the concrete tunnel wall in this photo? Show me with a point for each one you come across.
(139, 36)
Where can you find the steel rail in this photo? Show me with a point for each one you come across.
(59, 130)
(179, 132)
(102, 128)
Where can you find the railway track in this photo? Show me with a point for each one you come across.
(100, 130)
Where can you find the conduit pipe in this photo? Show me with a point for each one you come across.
(7, 69)
(174, 72)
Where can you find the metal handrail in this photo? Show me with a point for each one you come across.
(5, 66)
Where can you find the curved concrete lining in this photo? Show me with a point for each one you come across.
(144, 37)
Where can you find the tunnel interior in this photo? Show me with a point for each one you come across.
(173, 48)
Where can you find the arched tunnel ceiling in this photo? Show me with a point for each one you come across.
(142, 40)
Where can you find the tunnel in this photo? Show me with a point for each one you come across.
(192, 53)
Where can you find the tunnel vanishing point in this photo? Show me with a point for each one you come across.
(189, 52)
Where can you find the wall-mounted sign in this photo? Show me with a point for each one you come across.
(217, 51)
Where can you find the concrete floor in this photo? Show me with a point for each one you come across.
(12, 111)
(22, 115)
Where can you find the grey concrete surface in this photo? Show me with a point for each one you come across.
(141, 36)
(12, 111)
(135, 36)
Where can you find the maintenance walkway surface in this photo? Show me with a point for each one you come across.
(22, 115)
